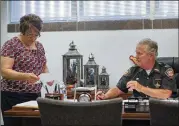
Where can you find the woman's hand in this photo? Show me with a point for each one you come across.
(31, 77)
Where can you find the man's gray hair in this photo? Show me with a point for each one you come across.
(152, 46)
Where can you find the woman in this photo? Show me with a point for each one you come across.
(22, 61)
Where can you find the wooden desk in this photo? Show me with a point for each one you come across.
(25, 116)
(34, 112)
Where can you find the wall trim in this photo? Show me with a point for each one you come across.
(104, 25)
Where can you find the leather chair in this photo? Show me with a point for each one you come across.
(60, 113)
(174, 63)
(164, 112)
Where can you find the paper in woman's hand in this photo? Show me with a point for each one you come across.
(47, 79)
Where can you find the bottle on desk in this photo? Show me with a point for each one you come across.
(62, 89)
(64, 93)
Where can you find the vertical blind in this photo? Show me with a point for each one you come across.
(114, 10)
(52, 11)
(166, 9)
(49, 11)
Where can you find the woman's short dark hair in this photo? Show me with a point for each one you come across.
(30, 19)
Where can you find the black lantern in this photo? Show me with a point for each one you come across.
(103, 79)
(91, 72)
(72, 66)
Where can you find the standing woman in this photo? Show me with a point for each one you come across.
(22, 61)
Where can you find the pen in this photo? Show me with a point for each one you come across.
(41, 83)
(46, 89)
(58, 88)
(55, 89)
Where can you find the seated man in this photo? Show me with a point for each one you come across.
(147, 78)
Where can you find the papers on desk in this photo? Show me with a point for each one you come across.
(34, 104)
(29, 104)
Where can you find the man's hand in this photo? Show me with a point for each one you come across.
(100, 95)
(131, 85)
(31, 77)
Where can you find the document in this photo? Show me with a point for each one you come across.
(29, 104)
(34, 104)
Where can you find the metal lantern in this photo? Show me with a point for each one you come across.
(72, 66)
(103, 79)
(91, 72)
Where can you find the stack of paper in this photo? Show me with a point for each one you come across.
(30, 104)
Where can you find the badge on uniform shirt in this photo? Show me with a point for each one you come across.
(157, 83)
(169, 72)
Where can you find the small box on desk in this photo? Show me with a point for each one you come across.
(136, 105)
(55, 96)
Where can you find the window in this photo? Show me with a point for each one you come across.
(53, 11)
(166, 9)
(49, 11)
(113, 10)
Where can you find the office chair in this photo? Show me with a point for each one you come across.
(164, 112)
(174, 63)
(59, 113)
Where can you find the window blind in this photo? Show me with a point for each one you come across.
(66, 11)
(166, 9)
(49, 11)
(114, 10)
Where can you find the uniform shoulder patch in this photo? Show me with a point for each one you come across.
(130, 70)
(169, 72)
(127, 72)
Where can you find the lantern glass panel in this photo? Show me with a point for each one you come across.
(71, 71)
(90, 76)
(103, 81)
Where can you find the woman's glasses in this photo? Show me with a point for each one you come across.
(32, 35)
(33, 32)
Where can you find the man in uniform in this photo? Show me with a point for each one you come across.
(147, 78)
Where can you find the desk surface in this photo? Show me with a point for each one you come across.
(29, 111)
(36, 114)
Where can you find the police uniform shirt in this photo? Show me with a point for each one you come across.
(160, 77)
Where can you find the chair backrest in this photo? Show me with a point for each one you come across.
(174, 63)
(164, 112)
(58, 113)
(171, 61)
